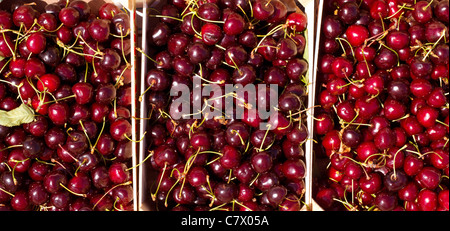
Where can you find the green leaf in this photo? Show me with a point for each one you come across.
(16, 117)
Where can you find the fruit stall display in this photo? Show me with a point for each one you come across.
(226, 162)
(383, 118)
(66, 93)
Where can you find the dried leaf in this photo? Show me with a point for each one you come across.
(16, 117)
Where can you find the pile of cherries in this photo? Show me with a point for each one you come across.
(225, 163)
(383, 121)
(69, 65)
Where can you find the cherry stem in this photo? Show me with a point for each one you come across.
(434, 45)
(87, 136)
(101, 131)
(342, 46)
(146, 158)
(112, 188)
(74, 193)
(153, 195)
(1, 189)
(135, 141)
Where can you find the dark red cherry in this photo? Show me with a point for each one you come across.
(423, 12)
(262, 10)
(297, 21)
(118, 173)
(36, 42)
(120, 130)
(211, 34)
(234, 24)
(69, 16)
(294, 170)
(58, 113)
(24, 14)
(357, 34)
(99, 30)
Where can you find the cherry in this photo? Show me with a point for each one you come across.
(366, 151)
(53, 181)
(372, 183)
(34, 67)
(427, 116)
(234, 24)
(26, 91)
(422, 12)
(24, 14)
(436, 98)
(385, 138)
(439, 159)
(200, 141)
(262, 10)
(357, 34)
(230, 158)
(6, 20)
(58, 113)
(50, 56)
(190, 24)
(37, 193)
(182, 65)
(69, 16)
(397, 39)
(385, 59)
(17, 67)
(428, 177)
(36, 43)
(5, 44)
(79, 184)
(37, 171)
(395, 181)
(325, 198)
(244, 172)
(110, 59)
(386, 201)
(20, 201)
(323, 124)
(332, 27)
(296, 68)
(64, 34)
(157, 79)
(294, 169)
(342, 67)
(120, 130)
(48, 82)
(198, 52)
(443, 199)
(105, 94)
(441, 12)
(18, 160)
(421, 67)
(99, 30)
(83, 92)
(428, 200)
(348, 13)
(297, 21)
(378, 10)
(276, 195)
(118, 173)
(33, 147)
(261, 162)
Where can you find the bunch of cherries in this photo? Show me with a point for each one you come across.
(225, 163)
(383, 121)
(69, 65)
